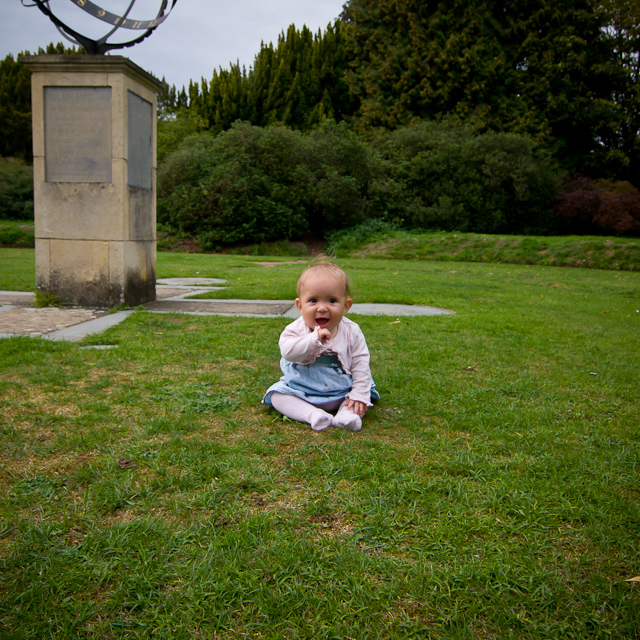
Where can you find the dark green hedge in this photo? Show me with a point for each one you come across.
(252, 184)
(454, 179)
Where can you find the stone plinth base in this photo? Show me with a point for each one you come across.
(96, 273)
(94, 148)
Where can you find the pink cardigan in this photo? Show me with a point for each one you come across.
(300, 344)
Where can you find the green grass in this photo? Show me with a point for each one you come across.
(593, 252)
(493, 492)
(17, 270)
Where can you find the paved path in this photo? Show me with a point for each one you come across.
(19, 317)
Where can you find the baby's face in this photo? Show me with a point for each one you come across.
(323, 302)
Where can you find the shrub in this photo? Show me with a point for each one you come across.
(342, 169)
(601, 207)
(172, 130)
(619, 210)
(16, 189)
(14, 235)
(241, 186)
(577, 204)
(252, 184)
(455, 179)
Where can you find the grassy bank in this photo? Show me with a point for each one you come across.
(145, 492)
(590, 252)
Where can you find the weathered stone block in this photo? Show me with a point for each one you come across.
(80, 272)
(142, 220)
(94, 142)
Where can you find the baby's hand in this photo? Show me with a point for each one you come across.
(323, 335)
(359, 408)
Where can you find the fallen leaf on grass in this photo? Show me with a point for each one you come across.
(395, 322)
(123, 463)
(636, 579)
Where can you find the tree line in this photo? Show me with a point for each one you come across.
(467, 115)
(564, 72)
(564, 75)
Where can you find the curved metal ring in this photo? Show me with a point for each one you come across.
(101, 46)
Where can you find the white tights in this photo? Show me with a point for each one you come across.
(317, 416)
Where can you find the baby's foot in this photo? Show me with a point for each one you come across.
(346, 419)
(320, 420)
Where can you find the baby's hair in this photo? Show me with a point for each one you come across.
(324, 267)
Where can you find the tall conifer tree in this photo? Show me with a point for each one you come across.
(298, 83)
(539, 67)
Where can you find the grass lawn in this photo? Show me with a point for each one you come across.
(493, 492)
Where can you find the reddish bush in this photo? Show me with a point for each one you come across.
(620, 207)
(602, 207)
(578, 203)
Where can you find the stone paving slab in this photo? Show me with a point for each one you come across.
(271, 308)
(17, 298)
(380, 309)
(77, 332)
(31, 321)
(176, 293)
(190, 282)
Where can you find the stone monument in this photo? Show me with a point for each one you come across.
(94, 150)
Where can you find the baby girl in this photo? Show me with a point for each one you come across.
(325, 359)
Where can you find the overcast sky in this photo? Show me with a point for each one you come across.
(197, 37)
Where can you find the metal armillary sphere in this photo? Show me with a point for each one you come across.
(101, 45)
